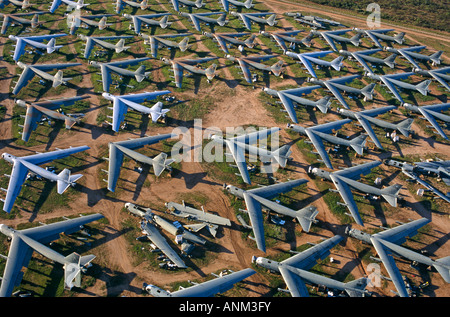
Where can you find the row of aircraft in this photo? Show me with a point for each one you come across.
(295, 269)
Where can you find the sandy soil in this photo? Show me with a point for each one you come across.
(240, 108)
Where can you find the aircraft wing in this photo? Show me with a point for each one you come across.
(409, 58)
(106, 77)
(271, 191)
(156, 237)
(331, 126)
(251, 138)
(307, 63)
(330, 42)
(355, 172)
(245, 71)
(374, 38)
(89, 46)
(294, 282)
(336, 94)
(195, 22)
(18, 176)
(429, 116)
(390, 266)
(42, 158)
(247, 22)
(288, 105)
(214, 286)
(368, 128)
(26, 76)
(362, 61)
(119, 111)
(239, 158)
(20, 49)
(398, 234)
(222, 43)
(320, 147)
(55, 5)
(128, 62)
(256, 219)
(428, 186)
(347, 196)
(32, 117)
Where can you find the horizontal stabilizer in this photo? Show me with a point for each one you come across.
(65, 180)
(391, 194)
(423, 87)
(443, 267)
(358, 143)
(306, 217)
(352, 287)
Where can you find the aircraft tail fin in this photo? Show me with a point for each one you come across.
(337, 63)
(423, 87)
(391, 194)
(65, 180)
(277, 68)
(248, 4)
(222, 19)
(144, 4)
(358, 143)
(160, 162)
(306, 217)
(443, 267)
(26, 4)
(250, 42)
(436, 57)
(157, 111)
(357, 287)
(184, 44)
(58, 79)
(70, 122)
(72, 269)
(51, 46)
(120, 46)
(399, 37)
(390, 60)
(35, 21)
(405, 126)
(102, 24)
(355, 40)
(139, 74)
(324, 104)
(282, 154)
(210, 72)
(163, 22)
(368, 91)
(271, 20)
(199, 3)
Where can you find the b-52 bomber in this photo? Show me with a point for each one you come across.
(35, 110)
(29, 71)
(88, 20)
(335, 36)
(92, 41)
(25, 4)
(307, 59)
(118, 67)
(294, 271)
(388, 243)
(441, 75)
(283, 37)
(120, 5)
(224, 39)
(238, 4)
(367, 117)
(148, 19)
(197, 18)
(179, 65)
(246, 62)
(258, 18)
(411, 55)
(365, 59)
(392, 81)
(209, 288)
(243, 143)
(17, 18)
(35, 42)
(336, 85)
(123, 102)
(289, 97)
(377, 35)
(197, 4)
(319, 133)
(71, 5)
(156, 41)
(432, 113)
(313, 21)
(24, 242)
(22, 165)
(346, 179)
(118, 149)
(258, 197)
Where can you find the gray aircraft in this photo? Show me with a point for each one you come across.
(35, 42)
(87, 21)
(220, 284)
(118, 67)
(289, 97)
(336, 85)
(25, 4)
(197, 4)
(258, 197)
(295, 271)
(441, 75)
(258, 18)
(179, 65)
(118, 149)
(101, 41)
(208, 220)
(380, 34)
(365, 59)
(244, 143)
(283, 37)
(224, 39)
(335, 36)
(156, 41)
(439, 169)
(411, 55)
(148, 19)
(71, 5)
(319, 133)
(247, 62)
(389, 241)
(310, 58)
(197, 18)
(393, 81)
(432, 113)
(313, 21)
(25, 242)
(35, 111)
(346, 179)
(121, 4)
(367, 117)
(238, 4)
(133, 101)
(25, 164)
(17, 18)
(29, 71)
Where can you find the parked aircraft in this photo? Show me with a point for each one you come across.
(121, 4)
(25, 164)
(411, 55)
(283, 37)
(35, 42)
(156, 40)
(331, 37)
(238, 4)
(197, 4)
(310, 58)
(179, 65)
(25, 4)
(71, 5)
(101, 41)
(432, 113)
(313, 21)
(258, 18)
(380, 35)
(17, 18)
(225, 39)
(441, 75)
(365, 59)
(197, 18)
(148, 19)
(88, 20)
(246, 62)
